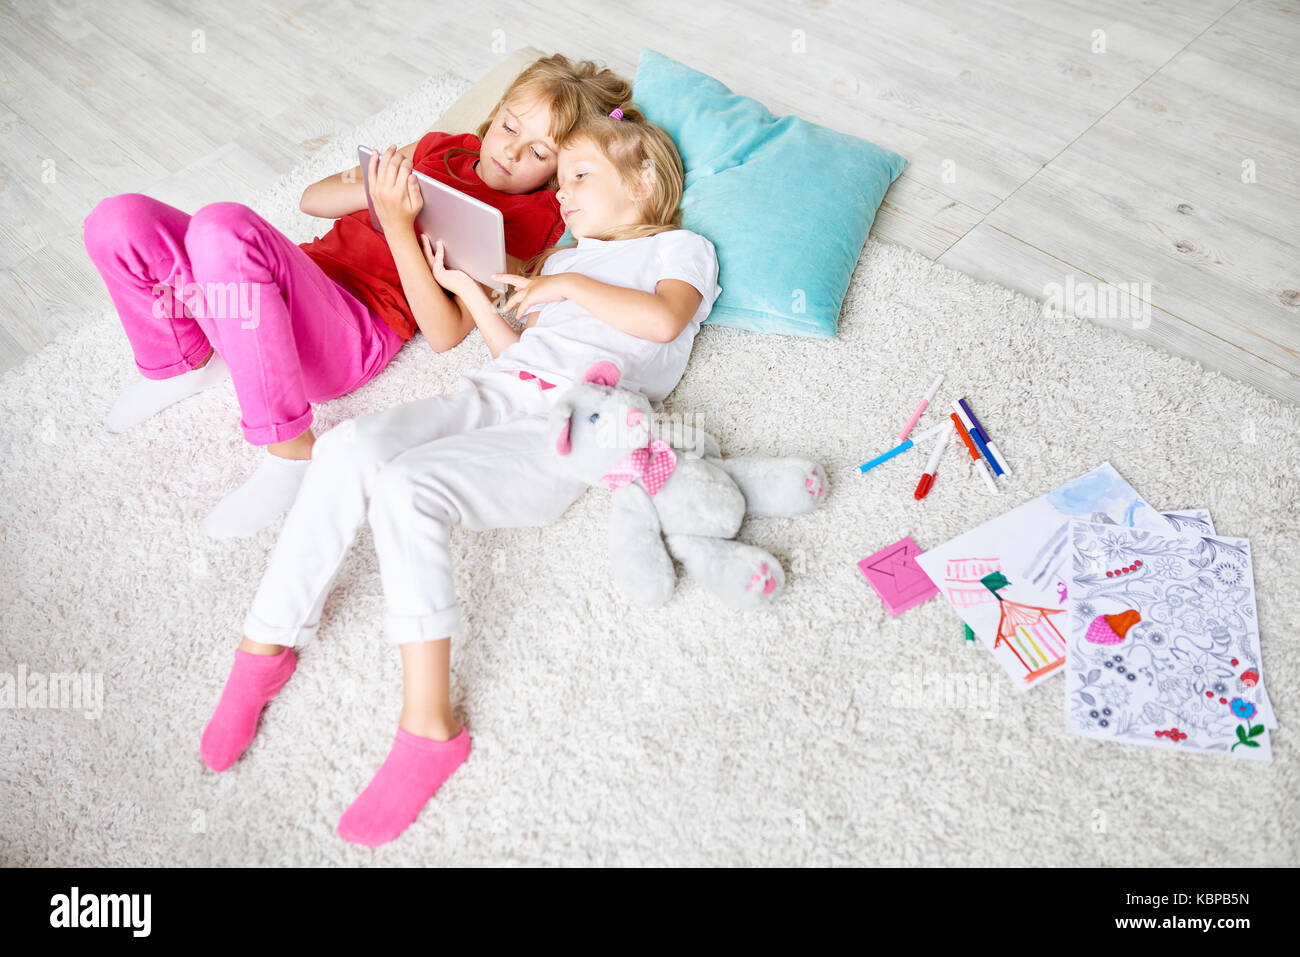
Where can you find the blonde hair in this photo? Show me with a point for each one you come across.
(573, 91)
(633, 145)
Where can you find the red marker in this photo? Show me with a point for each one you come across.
(932, 467)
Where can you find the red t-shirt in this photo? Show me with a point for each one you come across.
(356, 255)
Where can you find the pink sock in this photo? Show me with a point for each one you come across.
(414, 769)
(254, 680)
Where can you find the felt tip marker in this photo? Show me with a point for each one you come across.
(997, 455)
(931, 467)
(968, 417)
(963, 435)
(973, 429)
(984, 451)
(898, 449)
(920, 408)
(981, 465)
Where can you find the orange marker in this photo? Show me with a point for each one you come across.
(965, 436)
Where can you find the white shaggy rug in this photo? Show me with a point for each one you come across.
(602, 734)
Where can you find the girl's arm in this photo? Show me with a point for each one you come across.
(497, 333)
(442, 320)
(659, 316)
(342, 193)
(397, 200)
(474, 303)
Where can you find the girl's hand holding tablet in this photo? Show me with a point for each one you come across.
(394, 188)
(460, 281)
(453, 280)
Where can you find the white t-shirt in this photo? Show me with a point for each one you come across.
(567, 339)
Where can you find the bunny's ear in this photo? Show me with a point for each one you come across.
(603, 372)
(561, 420)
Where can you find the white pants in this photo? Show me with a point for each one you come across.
(475, 457)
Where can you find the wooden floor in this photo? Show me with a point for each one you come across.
(1154, 147)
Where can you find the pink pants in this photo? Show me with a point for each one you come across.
(225, 278)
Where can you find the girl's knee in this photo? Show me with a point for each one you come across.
(115, 216)
(219, 221)
(401, 492)
(348, 447)
(337, 445)
(394, 487)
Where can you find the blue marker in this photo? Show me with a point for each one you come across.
(984, 451)
(899, 449)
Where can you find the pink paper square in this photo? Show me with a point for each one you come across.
(897, 578)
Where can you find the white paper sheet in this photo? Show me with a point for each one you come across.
(1024, 624)
(1186, 675)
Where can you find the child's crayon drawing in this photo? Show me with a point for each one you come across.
(962, 580)
(1029, 546)
(1028, 631)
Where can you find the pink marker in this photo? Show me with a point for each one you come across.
(920, 408)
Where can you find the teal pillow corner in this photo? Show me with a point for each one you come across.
(788, 204)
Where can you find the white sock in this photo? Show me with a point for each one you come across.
(148, 396)
(267, 495)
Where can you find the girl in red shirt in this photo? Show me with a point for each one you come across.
(224, 290)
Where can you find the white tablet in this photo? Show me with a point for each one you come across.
(473, 233)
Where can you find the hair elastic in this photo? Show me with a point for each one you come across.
(616, 113)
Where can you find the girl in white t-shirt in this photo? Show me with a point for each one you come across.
(634, 288)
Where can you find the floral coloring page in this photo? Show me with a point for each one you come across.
(1191, 520)
(1163, 645)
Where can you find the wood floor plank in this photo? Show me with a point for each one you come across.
(1032, 271)
(1153, 193)
(106, 153)
(50, 293)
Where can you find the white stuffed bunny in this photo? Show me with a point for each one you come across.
(687, 502)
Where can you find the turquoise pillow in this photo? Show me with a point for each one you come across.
(787, 203)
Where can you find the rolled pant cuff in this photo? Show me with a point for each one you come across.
(406, 629)
(257, 630)
(188, 364)
(269, 434)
